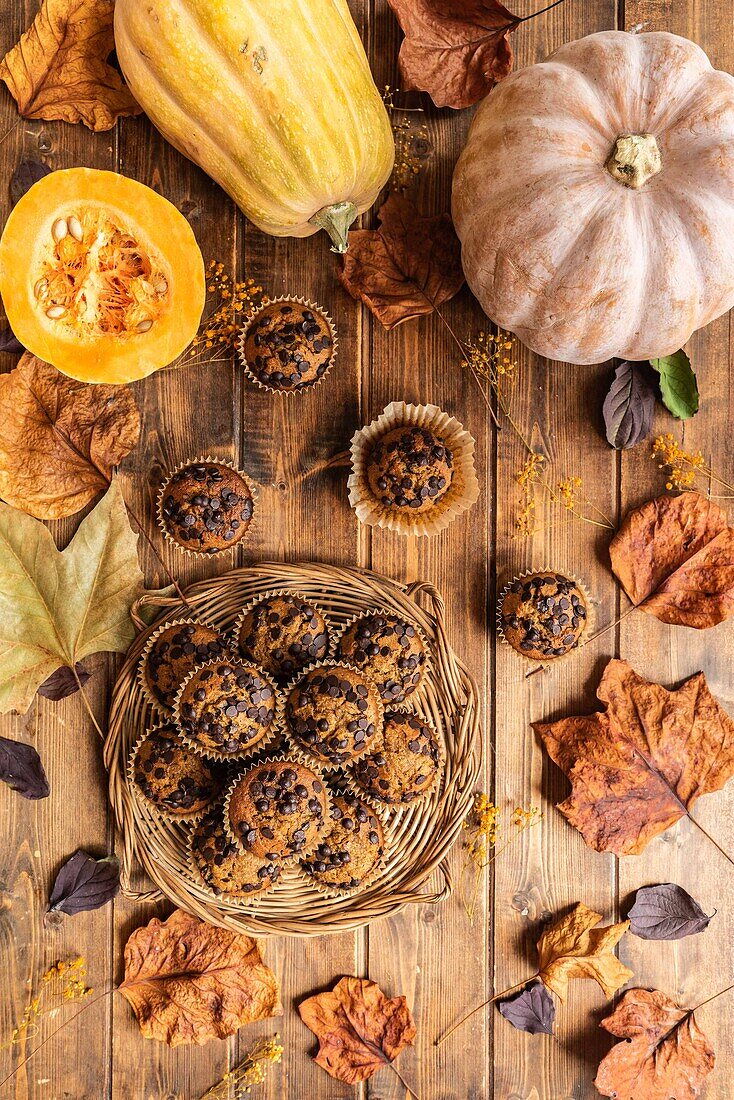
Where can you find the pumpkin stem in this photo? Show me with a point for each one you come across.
(336, 219)
(634, 159)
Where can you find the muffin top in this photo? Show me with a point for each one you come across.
(410, 468)
(206, 507)
(543, 615)
(333, 713)
(171, 776)
(278, 809)
(403, 762)
(283, 634)
(287, 345)
(173, 654)
(387, 649)
(351, 848)
(226, 707)
(224, 865)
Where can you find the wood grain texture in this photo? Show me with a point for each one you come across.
(434, 955)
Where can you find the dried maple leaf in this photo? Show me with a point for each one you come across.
(359, 1029)
(639, 766)
(407, 267)
(60, 439)
(574, 947)
(59, 69)
(456, 50)
(189, 982)
(664, 1053)
(675, 559)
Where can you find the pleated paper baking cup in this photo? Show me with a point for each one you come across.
(427, 792)
(246, 900)
(247, 751)
(253, 603)
(547, 662)
(206, 461)
(426, 668)
(291, 757)
(191, 817)
(461, 495)
(181, 620)
(304, 303)
(328, 766)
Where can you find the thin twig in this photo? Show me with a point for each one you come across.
(709, 837)
(141, 528)
(542, 11)
(489, 1001)
(403, 1082)
(87, 704)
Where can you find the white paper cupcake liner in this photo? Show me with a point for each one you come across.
(397, 807)
(248, 607)
(391, 613)
(159, 707)
(255, 313)
(547, 662)
(190, 818)
(207, 460)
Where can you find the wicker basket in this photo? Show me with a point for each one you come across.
(419, 836)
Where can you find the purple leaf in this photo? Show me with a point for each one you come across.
(84, 883)
(25, 175)
(63, 682)
(629, 405)
(10, 343)
(22, 770)
(531, 1010)
(666, 912)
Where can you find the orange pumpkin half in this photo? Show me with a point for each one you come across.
(100, 276)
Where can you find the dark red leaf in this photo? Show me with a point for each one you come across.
(25, 175)
(531, 1010)
(10, 343)
(22, 770)
(84, 883)
(63, 682)
(666, 912)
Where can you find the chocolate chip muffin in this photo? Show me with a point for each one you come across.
(283, 634)
(278, 809)
(206, 507)
(288, 345)
(225, 866)
(543, 615)
(333, 713)
(403, 763)
(171, 776)
(226, 708)
(410, 468)
(351, 848)
(173, 654)
(389, 650)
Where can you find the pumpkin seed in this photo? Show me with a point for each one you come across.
(161, 286)
(144, 326)
(59, 229)
(75, 228)
(41, 289)
(56, 312)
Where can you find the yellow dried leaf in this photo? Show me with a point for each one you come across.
(574, 948)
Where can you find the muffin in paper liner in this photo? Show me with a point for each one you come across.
(287, 299)
(395, 807)
(324, 765)
(366, 666)
(235, 898)
(270, 594)
(166, 814)
(462, 493)
(342, 785)
(291, 757)
(583, 634)
(207, 460)
(247, 751)
(180, 620)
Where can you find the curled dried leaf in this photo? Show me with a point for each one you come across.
(573, 947)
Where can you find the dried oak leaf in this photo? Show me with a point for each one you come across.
(574, 947)
(60, 439)
(638, 767)
(456, 50)
(189, 982)
(674, 557)
(59, 68)
(407, 267)
(664, 1053)
(359, 1029)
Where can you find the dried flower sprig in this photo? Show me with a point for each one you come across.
(483, 830)
(252, 1070)
(412, 141)
(228, 302)
(683, 467)
(61, 983)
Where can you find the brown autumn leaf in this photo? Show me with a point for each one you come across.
(59, 68)
(638, 767)
(189, 982)
(359, 1029)
(664, 1053)
(675, 559)
(574, 947)
(60, 439)
(456, 50)
(407, 267)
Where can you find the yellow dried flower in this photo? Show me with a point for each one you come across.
(237, 1083)
(219, 329)
(483, 827)
(682, 467)
(64, 981)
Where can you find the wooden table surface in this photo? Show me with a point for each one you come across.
(434, 956)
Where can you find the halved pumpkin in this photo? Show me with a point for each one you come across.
(100, 276)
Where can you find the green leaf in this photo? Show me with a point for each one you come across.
(678, 384)
(57, 607)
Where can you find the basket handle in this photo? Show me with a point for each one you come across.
(148, 599)
(430, 590)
